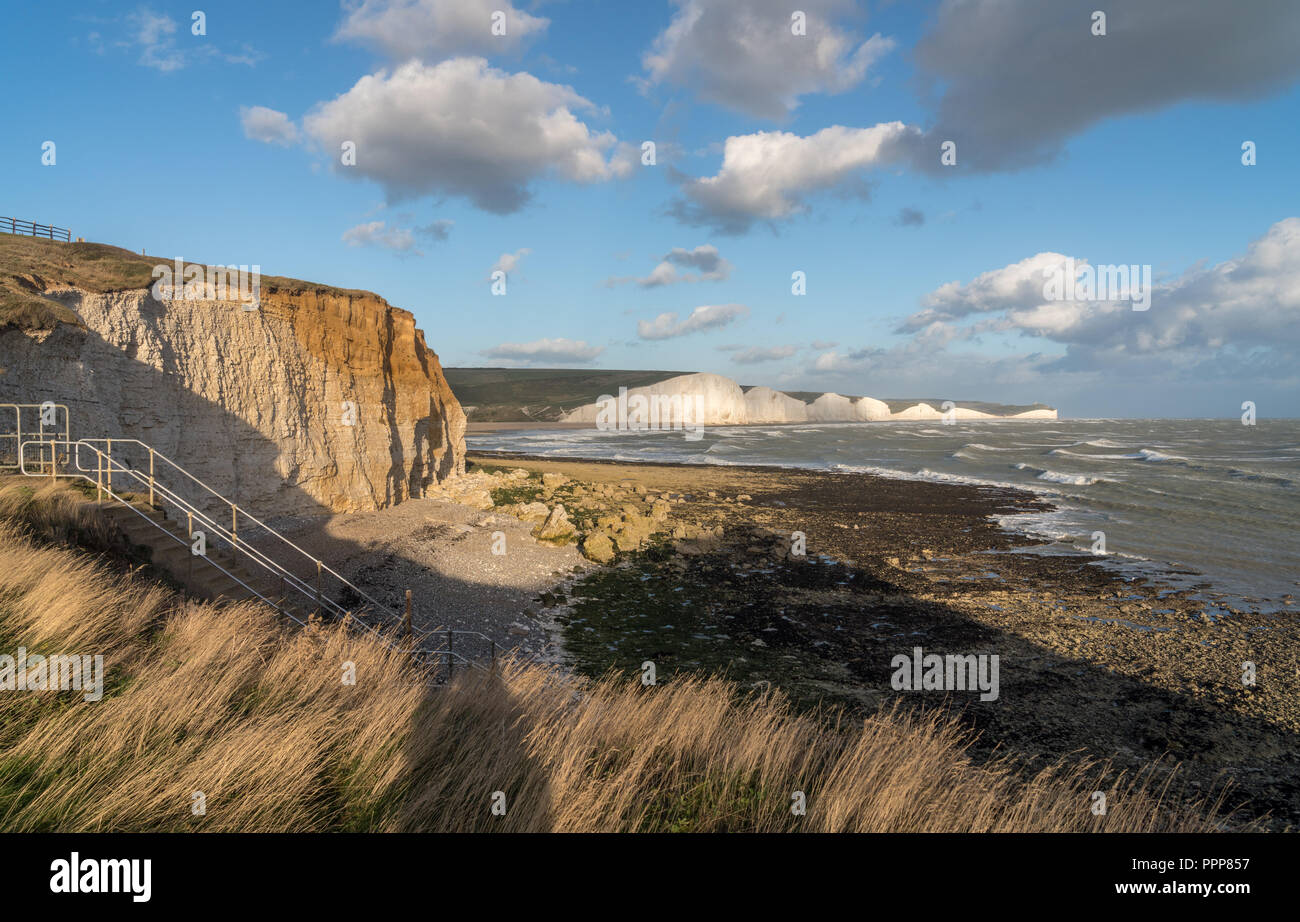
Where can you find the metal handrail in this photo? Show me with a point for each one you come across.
(237, 511)
(103, 470)
(17, 434)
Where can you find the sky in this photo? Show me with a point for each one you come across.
(919, 170)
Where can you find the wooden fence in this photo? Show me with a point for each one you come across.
(15, 226)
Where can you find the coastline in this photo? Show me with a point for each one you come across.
(1118, 666)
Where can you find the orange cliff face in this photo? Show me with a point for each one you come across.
(316, 400)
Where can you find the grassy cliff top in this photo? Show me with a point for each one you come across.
(539, 394)
(29, 266)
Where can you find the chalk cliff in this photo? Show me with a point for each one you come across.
(764, 405)
(318, 398)
(724, 403)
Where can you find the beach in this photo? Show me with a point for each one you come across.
(1095, 662)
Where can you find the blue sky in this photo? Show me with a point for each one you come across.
(1123, 148)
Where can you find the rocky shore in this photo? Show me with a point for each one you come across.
(705, 574)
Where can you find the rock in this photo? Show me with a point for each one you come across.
(551, 480)
(319, 400)
(556, 526)
(598, 547)
(532, 512)
(660, 510)
(743, 498)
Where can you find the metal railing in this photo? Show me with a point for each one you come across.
(30, 229)
(299, 594)
(39, 428)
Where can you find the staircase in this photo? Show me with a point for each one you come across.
(219, 576)
(158, 505)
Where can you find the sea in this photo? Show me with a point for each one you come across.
(1194, 501)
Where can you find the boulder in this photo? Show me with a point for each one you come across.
(598, 547)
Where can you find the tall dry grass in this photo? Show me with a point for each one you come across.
(222, 700)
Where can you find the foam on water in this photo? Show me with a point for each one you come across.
(1215, 496)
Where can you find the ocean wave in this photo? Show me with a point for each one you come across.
(1148, 454)
(1042, 473)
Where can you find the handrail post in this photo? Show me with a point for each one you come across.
(99, 476)
(151, 476)
(406, 622)
(234, 536)
(189, 578)
(494, 656)
(318, 574)
(110, 473)
(451, 663)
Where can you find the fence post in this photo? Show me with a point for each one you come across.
(451, 663)
(318, 596)
(494, 657)
(110, 475)
(406, 621)
(151, 477)
(234, 536)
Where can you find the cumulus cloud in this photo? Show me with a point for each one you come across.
(545, 352)
(743, 54)
(435, 29)
(1017, 286)
(707, 262)
(706, 317)
(1241, 314)
(766, 176)
(267, 125)
(1019, 77)
(462, 128)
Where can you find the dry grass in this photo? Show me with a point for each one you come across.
(30, 266)
(223, 700)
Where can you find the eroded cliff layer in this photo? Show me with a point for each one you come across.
(318, 399)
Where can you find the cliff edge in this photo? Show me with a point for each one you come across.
(315, 399)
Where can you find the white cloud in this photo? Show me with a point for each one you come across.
(756, 354)
(436, 29)
(705, 259)
(462, 128)
(744, 55)
(267, 125)
(155, 34)
(545, 352)
(706, 317)
(766, 175)
(507, 262)
(1240, 314)
(376, 233)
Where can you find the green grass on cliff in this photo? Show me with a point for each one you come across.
(30, 266)
(539, 394)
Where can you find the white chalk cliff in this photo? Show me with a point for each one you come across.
(719, 401)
